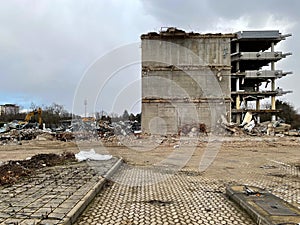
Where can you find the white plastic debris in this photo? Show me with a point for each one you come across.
(91, 155)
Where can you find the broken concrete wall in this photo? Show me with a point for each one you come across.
(195, 50)
(168, 117)
(193, 84)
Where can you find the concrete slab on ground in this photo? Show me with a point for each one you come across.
(262, 206)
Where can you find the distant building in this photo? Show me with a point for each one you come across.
(9, 109)
(201, 78)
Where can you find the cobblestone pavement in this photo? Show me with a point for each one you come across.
(279, 178)
(184, 198)
(138, 197)
(49, 195)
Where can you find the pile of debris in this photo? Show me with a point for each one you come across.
(193, 129)
(250, 126)
(64, 136)
(12, 171)
(107, 132)
(19, 134)
(79, 130)
(104, 129)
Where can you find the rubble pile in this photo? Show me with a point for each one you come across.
(20, 134)
(250, 126)
(79, 130)
(12, 171)
(64, 136)
(105, 130)
(128, 131)
(193, 129)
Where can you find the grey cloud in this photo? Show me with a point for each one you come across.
(223, 16)
(46, 46)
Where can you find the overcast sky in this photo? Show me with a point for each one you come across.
(48, 46)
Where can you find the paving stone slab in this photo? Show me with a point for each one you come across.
(177, 199)
(54, 195)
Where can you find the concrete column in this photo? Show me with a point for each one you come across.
(273, 97)
(238, 118)
(237, 106)
(273, 103)
(257, 104)
(237, 102)
(273, 84)
(238, 99)
(272, 50)
(237, 84)
(237, 50)
(237, 47)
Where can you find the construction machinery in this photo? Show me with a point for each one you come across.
(33, 113)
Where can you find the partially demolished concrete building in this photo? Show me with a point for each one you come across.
(192, 78)
(250, 52)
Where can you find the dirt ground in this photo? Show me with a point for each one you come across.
(34, 147)
(229, 157)
(272, 163)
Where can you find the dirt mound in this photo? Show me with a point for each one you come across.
(11, 172)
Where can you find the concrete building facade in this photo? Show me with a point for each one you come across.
(185, 79)
(192, 78)
(7, 109)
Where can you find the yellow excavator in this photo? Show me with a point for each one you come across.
(33, 113)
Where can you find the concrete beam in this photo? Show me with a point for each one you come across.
(264, 74)
(265, 56)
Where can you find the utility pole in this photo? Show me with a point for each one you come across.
(85, 105)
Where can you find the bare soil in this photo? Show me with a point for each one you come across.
(15, 169)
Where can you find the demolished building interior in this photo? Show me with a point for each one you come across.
(192, 77)
(249, 54)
